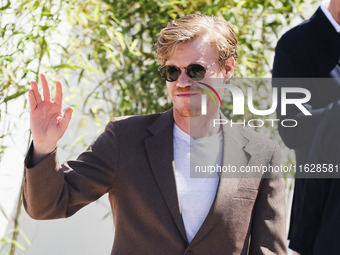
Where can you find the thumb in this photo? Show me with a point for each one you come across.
(66, 119)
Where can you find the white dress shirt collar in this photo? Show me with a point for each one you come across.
(330, 17)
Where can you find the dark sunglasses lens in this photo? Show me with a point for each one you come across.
(196, 72)
(170, 73)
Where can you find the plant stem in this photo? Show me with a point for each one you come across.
(18, 211)
(16, 220)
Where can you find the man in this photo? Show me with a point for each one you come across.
(310, 50)
(143, 161)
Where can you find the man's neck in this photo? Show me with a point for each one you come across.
(334, 8)
(199, 126)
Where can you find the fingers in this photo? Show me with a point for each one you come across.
(66, 119)
(36, 93)
(46, 89)
(59, 94)
(31, 99)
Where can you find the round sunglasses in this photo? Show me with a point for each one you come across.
(195, 72)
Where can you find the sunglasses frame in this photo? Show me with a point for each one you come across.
(185, 68)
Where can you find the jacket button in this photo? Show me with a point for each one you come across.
(189, 253)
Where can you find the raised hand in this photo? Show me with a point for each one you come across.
(48, 122)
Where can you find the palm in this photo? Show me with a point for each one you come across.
(48, 123)
(45, 121)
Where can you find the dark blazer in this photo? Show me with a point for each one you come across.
(310, 50)
(323, 221)
(133, 162)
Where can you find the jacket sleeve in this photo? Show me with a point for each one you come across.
(310, 215)
(55, 191)
(268, 228)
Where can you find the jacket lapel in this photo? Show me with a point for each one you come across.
(235, 153)
(159, 148)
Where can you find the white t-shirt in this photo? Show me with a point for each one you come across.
(196, 195)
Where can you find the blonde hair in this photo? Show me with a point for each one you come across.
(191, 27)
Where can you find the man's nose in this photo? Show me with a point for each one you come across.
(183, 79)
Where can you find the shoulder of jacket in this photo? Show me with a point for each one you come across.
(298, 35)
(132, 121)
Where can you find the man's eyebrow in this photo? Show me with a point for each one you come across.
(200, 62)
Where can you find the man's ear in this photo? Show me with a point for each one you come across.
(229, 67)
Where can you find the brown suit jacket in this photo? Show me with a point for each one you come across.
(133, 161)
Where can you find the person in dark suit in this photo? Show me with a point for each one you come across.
(309, 50)
(143, 162)
(323, 221)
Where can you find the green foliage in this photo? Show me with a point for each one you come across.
(6, 240)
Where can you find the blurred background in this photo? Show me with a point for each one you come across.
(102, 51)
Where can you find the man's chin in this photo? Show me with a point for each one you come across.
(189, 112)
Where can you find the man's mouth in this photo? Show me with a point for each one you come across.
(186, 94)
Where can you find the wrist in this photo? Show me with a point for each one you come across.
(42, 149)
(40, 152)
